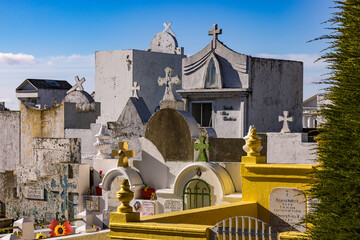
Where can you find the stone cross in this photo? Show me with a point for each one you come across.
(285, 119)
(78, 84)
(202, 147)
(134, 89)
(214, 32)
(167, 28)
(168, 81)
(123, 153)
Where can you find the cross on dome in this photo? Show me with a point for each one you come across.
(214, 32)
(167, 28)
(78, 84)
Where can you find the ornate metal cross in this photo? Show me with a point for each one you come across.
(214, 32)
(285, 119)
(202, 147)
(123, 153)
(134, 90)
(167, 28)
(169, 81)
(78, 84)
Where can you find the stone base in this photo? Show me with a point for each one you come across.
(178, 105)
(116, 217)
(246, 159)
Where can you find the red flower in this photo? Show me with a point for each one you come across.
(57, 229)
(101, 172)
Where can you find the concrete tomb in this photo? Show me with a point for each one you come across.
(230, 91)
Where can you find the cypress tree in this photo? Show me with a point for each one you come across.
(337, 185)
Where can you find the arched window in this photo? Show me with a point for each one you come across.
(211, 80)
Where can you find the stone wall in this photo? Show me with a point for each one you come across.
(277, 86)
(47, 123)
(116, 71)
(231, 149)
(46, 152)
(10, 140)
(8, 189)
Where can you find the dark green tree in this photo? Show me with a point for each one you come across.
(337, 185)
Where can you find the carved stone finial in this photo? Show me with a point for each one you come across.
(125, 195)
(253, 143)
(123, 153)
(202, 147)
(101, 143)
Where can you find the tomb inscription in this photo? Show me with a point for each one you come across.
(34, 193)
(148, 208)
(172, 205)
(287, 209)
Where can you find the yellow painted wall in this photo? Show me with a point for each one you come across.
(39, 123)
(150, 230)
(258, 180)
(206, 215)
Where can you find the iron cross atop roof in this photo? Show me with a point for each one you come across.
(214, 32)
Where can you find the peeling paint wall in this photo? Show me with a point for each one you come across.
(62, 198)
(7, 190)
(46, 152)
(10, 140)
(55, 171)
(39, 123)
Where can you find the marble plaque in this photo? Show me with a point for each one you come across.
(287, 209)
(92, 203)
(34, 193)
(147, 208)
(172, 205)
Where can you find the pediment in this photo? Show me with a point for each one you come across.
(26, 86)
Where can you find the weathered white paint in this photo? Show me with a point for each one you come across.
(291, 148)
(115, 72)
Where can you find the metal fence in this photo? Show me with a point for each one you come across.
(243, 228)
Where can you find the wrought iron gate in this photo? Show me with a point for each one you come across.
(244, 228)
(193, 198)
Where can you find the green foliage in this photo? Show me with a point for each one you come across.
(337, 216)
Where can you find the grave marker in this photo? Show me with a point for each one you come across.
(202, 147)
(169, 81)
(287, 209)
(34, 193)
(147, 208)
(172, 205)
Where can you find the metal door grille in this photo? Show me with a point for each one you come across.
(195, 198)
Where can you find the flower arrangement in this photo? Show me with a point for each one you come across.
(100, 174)
(146, 192)
(40, 236)
(59, 230)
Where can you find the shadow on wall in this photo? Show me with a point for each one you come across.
(153, 172)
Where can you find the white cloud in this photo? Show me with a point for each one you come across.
(16, 59)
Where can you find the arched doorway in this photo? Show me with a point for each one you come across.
(196, 194)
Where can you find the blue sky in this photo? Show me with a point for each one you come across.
(57, 39)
